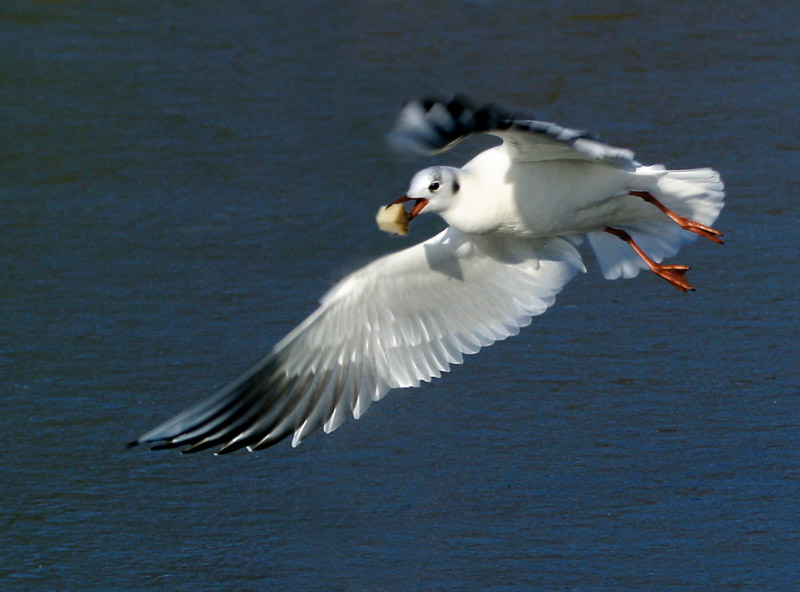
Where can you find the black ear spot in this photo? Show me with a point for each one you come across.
(456, 186)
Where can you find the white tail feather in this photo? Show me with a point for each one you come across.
(696, 194)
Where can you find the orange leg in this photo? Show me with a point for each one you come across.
(699, 229)
(685, 223)
(674, 274)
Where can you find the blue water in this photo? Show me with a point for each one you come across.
(180, 182)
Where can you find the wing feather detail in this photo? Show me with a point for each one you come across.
(399, 321)
(430, 126)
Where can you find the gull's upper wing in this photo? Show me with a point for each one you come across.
(430, 126)
(402, 319)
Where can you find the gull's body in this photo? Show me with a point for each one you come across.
(541, 199)
(516, 213)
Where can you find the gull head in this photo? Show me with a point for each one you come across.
(432, 190)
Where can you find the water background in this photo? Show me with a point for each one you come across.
(181, 181)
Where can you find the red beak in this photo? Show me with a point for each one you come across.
(419, 204)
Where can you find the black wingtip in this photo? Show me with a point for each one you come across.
(133, 444)
(434, 124)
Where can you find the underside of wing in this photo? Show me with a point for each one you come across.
(431, 126)
(403, 319)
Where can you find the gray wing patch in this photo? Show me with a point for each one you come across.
(430, 126)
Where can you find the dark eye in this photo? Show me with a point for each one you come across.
(434, 186)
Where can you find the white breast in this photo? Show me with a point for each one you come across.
(542, 198)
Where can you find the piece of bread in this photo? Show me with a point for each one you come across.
(393, 219)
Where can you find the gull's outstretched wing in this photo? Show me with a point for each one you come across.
(430, 126)
(402, 319)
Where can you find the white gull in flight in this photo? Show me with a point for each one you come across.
(516, 213)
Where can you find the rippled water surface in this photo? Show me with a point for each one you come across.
(180, 182)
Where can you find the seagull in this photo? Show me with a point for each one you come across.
(516, 215)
